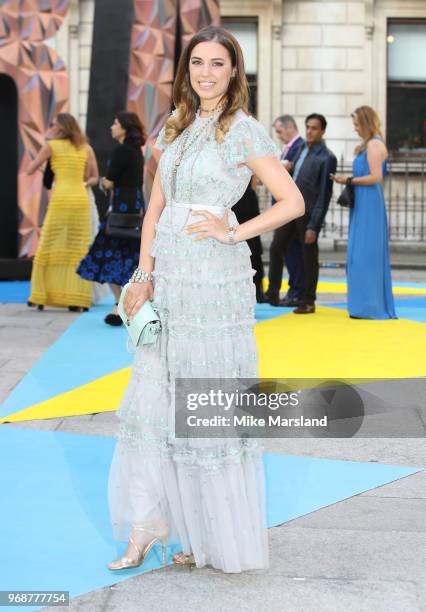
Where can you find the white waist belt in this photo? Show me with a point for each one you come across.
(215, 210)
(192, 209)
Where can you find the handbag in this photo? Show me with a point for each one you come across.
(48, 176)
(124, 225)
(347, 197)
(144, 326)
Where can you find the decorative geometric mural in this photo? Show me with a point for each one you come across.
(151, 70)
(152, 60)
(32, 20)
(43, 90)
(195, 15)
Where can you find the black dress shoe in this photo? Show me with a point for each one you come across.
(77, 309)
(271, 298)
(289, 302)
(262, 299)
(113, 319)
(274, 300)
(305, 309)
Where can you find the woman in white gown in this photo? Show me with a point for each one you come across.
(207, 494)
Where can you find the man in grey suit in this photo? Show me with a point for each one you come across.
(286, 130)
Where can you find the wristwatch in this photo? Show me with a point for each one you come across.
(349, 180)
(231, 234)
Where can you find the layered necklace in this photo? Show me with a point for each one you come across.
(190, 136)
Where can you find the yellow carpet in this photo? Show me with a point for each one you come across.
(329, 344)
(341, 288)
(101, 395)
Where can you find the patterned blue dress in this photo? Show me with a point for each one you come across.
(210, 492)
(113, 260)
(368, 264)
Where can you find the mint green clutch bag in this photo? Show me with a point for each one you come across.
(145, 326)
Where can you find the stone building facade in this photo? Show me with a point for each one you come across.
(327, 57)
(310, 56)
(74, 44)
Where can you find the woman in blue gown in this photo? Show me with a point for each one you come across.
(368, 264)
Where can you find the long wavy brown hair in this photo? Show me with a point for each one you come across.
(69, 129)
(369, 125)
(187, 101)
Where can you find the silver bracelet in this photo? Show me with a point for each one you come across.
(140, 276)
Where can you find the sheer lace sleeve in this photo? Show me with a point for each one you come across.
(246, 141)
(159, 143)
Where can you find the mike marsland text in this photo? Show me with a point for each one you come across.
(251, 421)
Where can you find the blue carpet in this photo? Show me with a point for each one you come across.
(14, 292)
(412, 309)
(17, 292)
(87, 350)
(264, 312)
(101, 350)
(412, 314)
(411, 302)
(55, 531)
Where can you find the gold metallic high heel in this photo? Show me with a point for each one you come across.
(183, 559)
(128, 562)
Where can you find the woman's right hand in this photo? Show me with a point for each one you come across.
(135, 297)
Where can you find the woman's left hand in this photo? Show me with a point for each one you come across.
(339, 178)
(213, 227)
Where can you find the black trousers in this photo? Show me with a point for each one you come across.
(257, 264)
(282, 238)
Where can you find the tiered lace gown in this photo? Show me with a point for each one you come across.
(210, 492)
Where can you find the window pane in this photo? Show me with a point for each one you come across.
(246, 34)
(245, 31)
(406, 118)
(407, 52)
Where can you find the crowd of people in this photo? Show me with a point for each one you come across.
(69, 263)
(70, 260)
(295, 245)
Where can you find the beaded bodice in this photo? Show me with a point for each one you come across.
(212, 173)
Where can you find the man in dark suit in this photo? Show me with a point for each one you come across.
(286, 130)
(311, 172)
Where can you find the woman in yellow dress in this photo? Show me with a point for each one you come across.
(66, 233)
